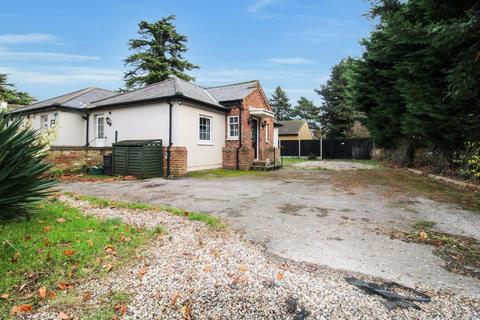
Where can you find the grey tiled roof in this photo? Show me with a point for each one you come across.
(290, 127)
(236, 91)
(168, 88)
(78, 99)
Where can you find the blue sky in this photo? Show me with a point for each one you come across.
(53, 47)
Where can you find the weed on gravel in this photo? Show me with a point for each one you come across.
(406, 182)
(460, 253)
(214, 222)
(224, 173)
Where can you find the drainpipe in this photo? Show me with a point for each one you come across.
(87, 118)
(240, 109)
(169, 136)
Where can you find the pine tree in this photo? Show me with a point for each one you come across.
(337, 115)
(307, 110)
(158, 56)
(281, 105)
(419, 77)
(10, 95)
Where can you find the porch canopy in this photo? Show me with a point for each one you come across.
(261, 113)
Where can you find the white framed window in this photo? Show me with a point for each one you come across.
(233, 127)
(267, 126)
(205, 129)
(100, 127)
(44, 121)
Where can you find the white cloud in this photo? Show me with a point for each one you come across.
(5, 54)
(295, 60)
(26, 38)
(63, 75)
(259, 4)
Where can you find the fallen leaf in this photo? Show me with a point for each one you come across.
(42, 293)
(110, 250)
(107, 267)
(27, 237)
(4, 296)
(46, 242)
(175, 297)
(64, 285)
(237, 280)
(90, 243)
(215, 253)
(61, 220)
(121, 309)
(142, 272)
(187, 311)
(23, 308)
(127, 239)
(52, 295)
(279, 276)
(16, 256)
(207, 268)
(86, 296)
(242, 268)
(69, 253)
(47, 229)
(63, 316)
(422, 235)
(90, 230)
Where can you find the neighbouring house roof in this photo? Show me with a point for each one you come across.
(291, 127)
(170, 88)
(232, 92)
(77, 100)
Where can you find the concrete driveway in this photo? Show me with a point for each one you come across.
(299, 214)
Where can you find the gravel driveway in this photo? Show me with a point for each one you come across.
(192, 272)
(300, 215)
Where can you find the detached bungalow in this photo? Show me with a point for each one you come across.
(228, 126)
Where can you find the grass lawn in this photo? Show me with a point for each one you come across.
(223, 173)
(58, 247)
(288, 161)
(211, 221)
(400, 180)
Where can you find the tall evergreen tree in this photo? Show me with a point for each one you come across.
(419, 78)
(307, 110)
(336, 114)
(159, 54)
(10, 95)
(281, 104)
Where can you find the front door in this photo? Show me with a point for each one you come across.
(255, 137)
(100, 132)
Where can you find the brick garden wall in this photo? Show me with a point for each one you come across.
(69, 158)
(178, 161)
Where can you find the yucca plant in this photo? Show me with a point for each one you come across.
(23, 169)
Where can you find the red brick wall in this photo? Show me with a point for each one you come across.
(178, 161)
(258, 100)
(70, 158)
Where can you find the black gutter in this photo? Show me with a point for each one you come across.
(47, 108)
(230, 102)
(169, 136)
(160, 99)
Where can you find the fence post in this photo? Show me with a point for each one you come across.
(299, 148)
(321, 148)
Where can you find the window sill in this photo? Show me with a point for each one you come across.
(232, 139)
(206, 143)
